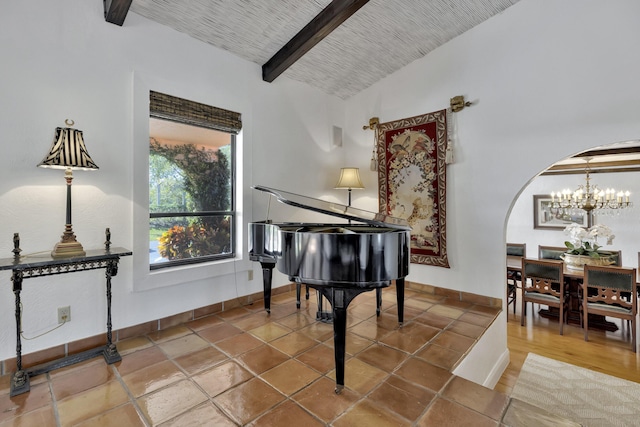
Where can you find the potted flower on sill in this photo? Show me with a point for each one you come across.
(583, 246)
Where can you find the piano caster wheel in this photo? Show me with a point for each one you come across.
(339, 388)
(268, 310)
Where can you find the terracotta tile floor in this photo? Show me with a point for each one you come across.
(245, 367)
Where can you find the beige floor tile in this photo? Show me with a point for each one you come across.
(476, 397)
(319, 331)
(39, 417)
(133, 344)
(249, 400)
(320, 399)
(446, 413)
(169, 333)
(170, 401)
(125, 415)
(80, 407)
(183, 345)
(204, 322)
(366, 414)
(234, 313)
(440, 356)
(287, 414)
(424, 374)
(402, 397)
(360, 377)
(38, 397)
(382, 357)
(320, 358)
(419, 304)
(82, 379)
(219, 332)
(262, 359)
(354, 343)
(296, 321)
(293, 343)
(204, 415)
(239, 344)
(290, 376)
(446, 311)
(252, 321)
(221, 378)
(466, 329)
(151, 378)
(200, 360)
(453, 341)
(410, 337)
(369, 329)
(140, 359)
(435, 320)
(269, 332)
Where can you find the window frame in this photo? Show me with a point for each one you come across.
(232, 213)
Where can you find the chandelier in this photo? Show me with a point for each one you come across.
(589, 197)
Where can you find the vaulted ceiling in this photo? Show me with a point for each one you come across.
(340, 46)
(371, 39)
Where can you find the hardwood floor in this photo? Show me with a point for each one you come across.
(606, 352)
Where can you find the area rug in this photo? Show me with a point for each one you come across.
(412, 171)
(578, 394)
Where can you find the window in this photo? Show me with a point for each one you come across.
(191, 181)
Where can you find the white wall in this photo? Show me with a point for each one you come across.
(62, 60)
(548, 79)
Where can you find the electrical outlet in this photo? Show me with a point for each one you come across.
(250, 275)
(64, 314)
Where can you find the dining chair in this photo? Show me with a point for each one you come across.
(543, 283)
(602, 291)
(551, 252)
(514, 276)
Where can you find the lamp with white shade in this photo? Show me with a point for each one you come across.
(349, 179)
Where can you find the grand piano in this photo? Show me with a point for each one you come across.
(366, 252)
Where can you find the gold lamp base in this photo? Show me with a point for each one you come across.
(68, 247)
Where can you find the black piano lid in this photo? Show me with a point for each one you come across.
(336, 209)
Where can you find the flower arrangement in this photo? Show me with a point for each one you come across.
(585, 242)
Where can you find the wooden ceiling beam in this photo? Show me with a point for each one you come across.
(321, 26)
(115, 11)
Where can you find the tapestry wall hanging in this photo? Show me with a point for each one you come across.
(412, 181)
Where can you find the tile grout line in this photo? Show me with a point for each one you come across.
(133, 400)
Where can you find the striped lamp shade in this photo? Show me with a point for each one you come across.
(68, 151)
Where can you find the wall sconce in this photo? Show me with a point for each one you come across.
(349, 179)
(68, 152)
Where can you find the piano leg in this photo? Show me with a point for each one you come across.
(298, 286)
(378, 301)
(400, 299)
(340, 298)
(267, 274)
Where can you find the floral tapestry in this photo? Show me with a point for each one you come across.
(412, 181)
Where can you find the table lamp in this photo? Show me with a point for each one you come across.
(68, 152)
(349, 179)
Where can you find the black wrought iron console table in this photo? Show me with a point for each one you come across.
(44, 265)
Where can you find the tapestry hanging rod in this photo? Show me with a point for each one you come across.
(457, 104)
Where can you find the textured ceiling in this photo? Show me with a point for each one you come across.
(380, 38)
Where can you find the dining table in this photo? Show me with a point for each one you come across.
(573, 280)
